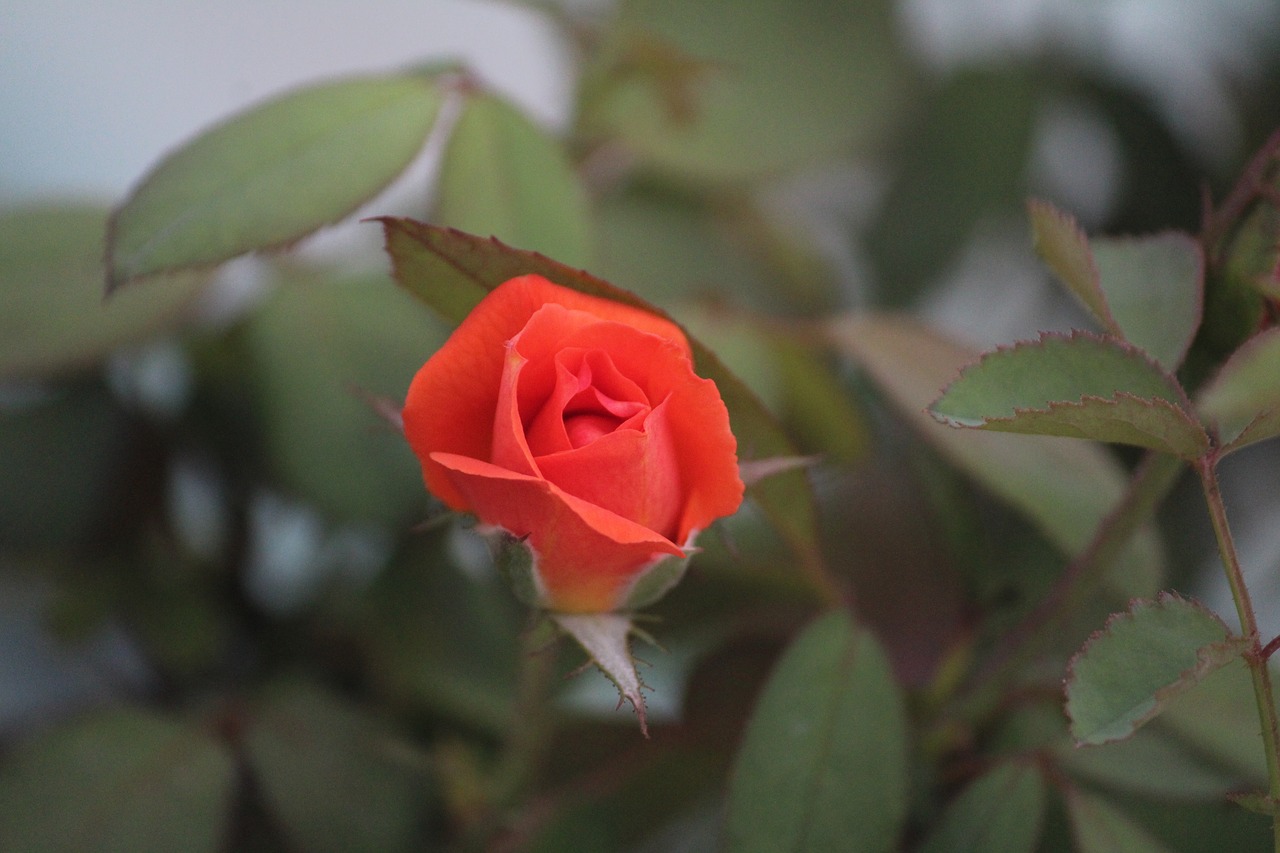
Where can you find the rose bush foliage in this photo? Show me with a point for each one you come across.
(577, 425)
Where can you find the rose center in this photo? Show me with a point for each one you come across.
(586, 427)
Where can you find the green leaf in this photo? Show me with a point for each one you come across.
(1242, 401)
(963, 162)
(1064, 248)
(311, 354)
(1078, 386)
(823, 763)
(443, 639)
(451, 271)
(332, 776)
(606, 638)
(1065, 488)
(271, 175)
(722, 90)
(1148, 291)
(1158, 762)
(52, 317)
(122, 780)
(1099, 827)
(1130, 670)
(999, 813)
(1155, 289)
(502, 175)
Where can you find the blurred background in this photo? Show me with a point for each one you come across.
(200, 517)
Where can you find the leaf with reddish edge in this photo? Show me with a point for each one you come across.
(1078, 386)
(451, 271)
(1064, 248)
(1140, 661)
(1147, 290)
(1066, 488)
(1242, 401)
(606, 638)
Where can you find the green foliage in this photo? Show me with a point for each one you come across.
(1000, 812)
(1101, 828)
(124, 779)
(774, 176)
(1128, 672)
(332, 776)
(1243, 400)
(1079, 387)
(708, 90)
(52, 320)
(501, 175)
(1066, 489)
(823, 765)
(1148, 291)
(272, 174)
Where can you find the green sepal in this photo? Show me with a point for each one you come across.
(606, 638)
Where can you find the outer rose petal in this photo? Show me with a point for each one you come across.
(451, 401)
(586, 556)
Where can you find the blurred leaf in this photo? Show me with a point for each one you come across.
(1243, 399)
(1128, 672)
(271, 174)
(724, 90)
(673, 248)
(57, 486)
(122, 780)
(1066, 488)
(1079, 387)
(1220, 719)
(442, 640)
(316, 344)
(451, 271)
(1157, 762)
(52, 317)
(1148, 291)
(502, 175)
(334, 777)
(965, 160)
(823, 763)
(1101, 828)
(999, 813)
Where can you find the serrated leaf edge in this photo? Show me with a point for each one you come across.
(1107, 320)
(1209, 658)
(1199, 434)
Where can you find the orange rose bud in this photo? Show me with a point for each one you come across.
(577, 426)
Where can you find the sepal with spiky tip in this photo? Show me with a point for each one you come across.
(606, 638)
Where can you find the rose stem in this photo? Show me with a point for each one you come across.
(1207, 468)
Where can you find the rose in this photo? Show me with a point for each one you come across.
(577, 425)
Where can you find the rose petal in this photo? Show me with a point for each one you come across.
(586, 555)
(585, 383)
(632, 473)
(451, 402)
(705, 448)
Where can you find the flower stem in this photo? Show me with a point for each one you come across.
(529, 732)
(1259, 670)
